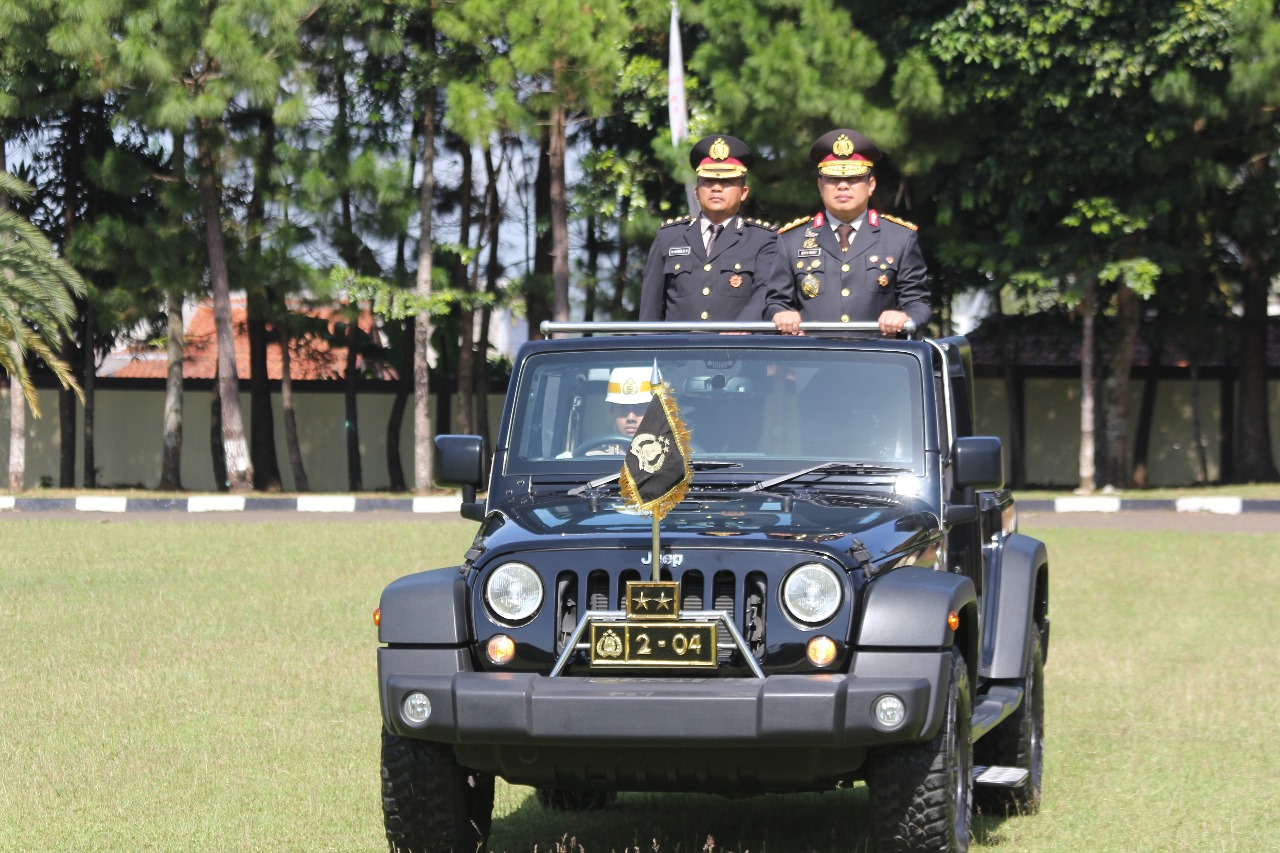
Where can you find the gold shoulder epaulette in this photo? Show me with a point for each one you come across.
(802, 220)
(679, 220)
(759, 223)
(904, 223)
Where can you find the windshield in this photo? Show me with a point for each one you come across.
(770, 410)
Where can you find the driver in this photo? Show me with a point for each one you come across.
(627, 395)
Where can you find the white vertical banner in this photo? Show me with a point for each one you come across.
(677, 108)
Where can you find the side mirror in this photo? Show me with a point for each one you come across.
(978, 462)
(460, 461)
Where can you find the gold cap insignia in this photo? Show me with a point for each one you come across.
(719, 150)
(843, 146)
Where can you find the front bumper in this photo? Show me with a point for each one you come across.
(821, 710)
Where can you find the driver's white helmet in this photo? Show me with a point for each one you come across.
(630, 385)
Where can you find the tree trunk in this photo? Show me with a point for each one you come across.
(466, 314)
(538, 285)
(422, 437)
(217, 447)
(1147, 408)
(1128, 315)
(17, 429)
(286, 407)
(592, 272)
(89, 476)
(67, 403)
(620, 275)
(404, 390)
(73, 353)
(17, 400)
(175, 348)
(559, 214)
(171, 465)
(1088, 481)
(239, 468)
(355, 475)
(262, 423)
(493, 269)
(1254, 460)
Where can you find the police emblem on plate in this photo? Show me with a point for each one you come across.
(609, 645)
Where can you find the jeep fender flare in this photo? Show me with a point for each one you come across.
(426, 608)
(1017, 599)
(907, 608)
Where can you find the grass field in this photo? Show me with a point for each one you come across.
(172, 686)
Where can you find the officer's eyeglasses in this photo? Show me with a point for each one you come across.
(621, 409)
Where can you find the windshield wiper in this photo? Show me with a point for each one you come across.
(832, 467)
(696, 464)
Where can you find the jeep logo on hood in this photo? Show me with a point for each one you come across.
(673, 560)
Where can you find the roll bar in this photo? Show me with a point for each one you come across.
(709, 327)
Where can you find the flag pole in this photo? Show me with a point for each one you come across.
(677, 106)
(657, 562)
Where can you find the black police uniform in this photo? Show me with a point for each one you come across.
(683, 283)
(883, 270)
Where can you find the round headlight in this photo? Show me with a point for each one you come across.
(811, 593)
(514, 592)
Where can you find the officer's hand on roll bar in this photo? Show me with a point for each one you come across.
(892, 323)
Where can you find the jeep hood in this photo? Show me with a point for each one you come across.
(883, 526)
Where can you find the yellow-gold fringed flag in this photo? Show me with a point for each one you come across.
(656, 471)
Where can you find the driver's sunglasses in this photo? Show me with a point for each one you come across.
(620, 409)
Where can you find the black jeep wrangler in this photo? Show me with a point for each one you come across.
(841, 596)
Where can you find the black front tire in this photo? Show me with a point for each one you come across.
(921, 795)
(1018, 742)
(430, 803)
(561, 800)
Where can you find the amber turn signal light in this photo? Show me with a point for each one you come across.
(953, 620)
(377, 618)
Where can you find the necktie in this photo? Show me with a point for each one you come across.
(712, 235)
(843, 232)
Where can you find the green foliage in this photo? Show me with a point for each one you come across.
(36, 297)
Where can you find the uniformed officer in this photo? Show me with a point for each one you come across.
(847, 263)
(712, 266)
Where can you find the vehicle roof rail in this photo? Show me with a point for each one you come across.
(549, 328)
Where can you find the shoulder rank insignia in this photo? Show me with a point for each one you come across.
(802, 220)
(760, 223)
(679, 220)
(896, 221)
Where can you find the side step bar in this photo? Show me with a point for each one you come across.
(1001, 777)
(993, 707)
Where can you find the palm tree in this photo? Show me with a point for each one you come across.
(36, 309)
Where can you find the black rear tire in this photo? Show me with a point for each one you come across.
(921, 795)
(1018, 742)
(430, 803)
(575, 801)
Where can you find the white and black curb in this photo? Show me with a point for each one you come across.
(233, 504)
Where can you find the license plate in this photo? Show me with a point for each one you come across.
(650, 644)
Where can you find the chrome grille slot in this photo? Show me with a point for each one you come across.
(692, 592)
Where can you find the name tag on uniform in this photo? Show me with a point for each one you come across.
(808, 253)
(681, 250)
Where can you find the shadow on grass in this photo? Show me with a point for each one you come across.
(831, 822)
(682, 823)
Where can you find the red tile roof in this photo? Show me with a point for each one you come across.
(311, 354)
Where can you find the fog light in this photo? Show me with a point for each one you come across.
(500, 649)
(416, 708)
(891, 711)
(821, 651)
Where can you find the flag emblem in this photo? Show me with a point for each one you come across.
(656, 471)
